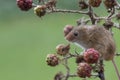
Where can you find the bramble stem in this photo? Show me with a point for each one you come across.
(101, 72)
(116, 69)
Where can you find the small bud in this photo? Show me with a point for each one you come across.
(110, 3)
(63, 49)
(95, 3)
(40, 10)
(58, 76)
(84, 70)
(108, 24)
(24, 5)
(91, 55)
(52, 60)
(79, 59)
(83, 4)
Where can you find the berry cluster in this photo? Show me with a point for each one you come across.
(39, 10)
(89, 61)
(61, 50)
(109, 4)
(85, 61)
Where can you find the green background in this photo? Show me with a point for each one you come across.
(26, 39)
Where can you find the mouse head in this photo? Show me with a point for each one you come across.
(75, 34)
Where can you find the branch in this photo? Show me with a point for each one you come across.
(112, 13)
(82, 21)
(67, 11)
(91, 14)
(116, 69)
(67, 68)
(101, 72)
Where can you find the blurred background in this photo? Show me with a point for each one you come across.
(26, 39)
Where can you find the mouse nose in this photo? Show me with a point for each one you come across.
(70, 37)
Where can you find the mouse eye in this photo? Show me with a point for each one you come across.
(75, 33)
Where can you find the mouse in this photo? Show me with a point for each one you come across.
(92, 36)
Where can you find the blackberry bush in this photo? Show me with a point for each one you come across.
(89, 62)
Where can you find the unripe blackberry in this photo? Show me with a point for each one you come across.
(40, 10)
(84, 70)
(91, 56)
(110, 3)
(83, 4)
(52, 60)
(63, 49)
(24, 5)
(108, 24)
(79, 59)
(95, 3)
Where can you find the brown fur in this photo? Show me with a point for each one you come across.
(94, 37)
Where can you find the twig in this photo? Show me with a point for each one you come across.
(67, 11)
(116, 69)
(67, 68)
(111, 14)
(91, 14)
(82, 21)
(101, 72)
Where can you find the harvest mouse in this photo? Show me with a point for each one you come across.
(92, 36)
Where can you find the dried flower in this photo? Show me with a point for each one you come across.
(63, 49)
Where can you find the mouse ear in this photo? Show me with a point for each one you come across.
(67, 29)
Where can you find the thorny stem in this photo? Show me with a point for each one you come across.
(69, 56)
(116, 69)
(111, 14)
(101, 72)
(91, 14)
(65, 59)
(67, 68)
(67, 11)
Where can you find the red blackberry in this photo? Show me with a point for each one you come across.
(91, 55)
(24, 5)
(84, 70)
